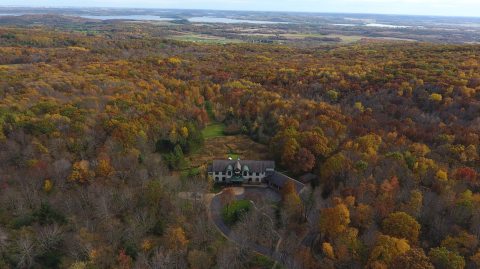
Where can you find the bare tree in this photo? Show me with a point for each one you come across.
(227, 197)
(3, 239)
(50, 237)
(25, 251)
(232, 257)
(164, 259)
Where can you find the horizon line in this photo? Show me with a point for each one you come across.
(241, 10)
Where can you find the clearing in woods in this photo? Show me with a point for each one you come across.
(222, 147)
(213, 130)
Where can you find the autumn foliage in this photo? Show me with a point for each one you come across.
(96, 121)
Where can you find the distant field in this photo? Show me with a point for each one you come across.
(344, 38)
(205, 39)
(213, 130)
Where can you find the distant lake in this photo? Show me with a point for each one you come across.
(11, 14)
(380, 25)
(206, 19)
(127, 17)
(344, 24)
(386, 25)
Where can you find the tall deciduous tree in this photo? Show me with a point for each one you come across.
(401, 225)
(334, 220)
(386, 249)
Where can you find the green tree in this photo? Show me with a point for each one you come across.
(443, 258)
(386, 249)
(401, 225)
(412, 259)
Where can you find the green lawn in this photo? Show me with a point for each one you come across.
(234, 156)
(235, 210)
(213, 130)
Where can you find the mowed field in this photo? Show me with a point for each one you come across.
(213, 130)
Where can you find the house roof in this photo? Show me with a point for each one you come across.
(307, 178)
(280, 180)
(253, 166)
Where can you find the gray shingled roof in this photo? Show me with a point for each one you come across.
(307, 178)
(280, 179)
(254, 166)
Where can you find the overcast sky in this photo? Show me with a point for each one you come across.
(414, 7)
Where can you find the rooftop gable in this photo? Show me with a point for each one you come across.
(253, 166)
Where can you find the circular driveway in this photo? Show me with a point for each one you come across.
(253, 193)
(256, 193)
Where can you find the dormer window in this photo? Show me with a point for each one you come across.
(245, 170)
(229, 170)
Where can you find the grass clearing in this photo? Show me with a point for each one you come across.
(300, 36)
(344, 38)
(213, 130)
(221, 147)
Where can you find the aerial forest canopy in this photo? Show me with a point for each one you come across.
(92, 126)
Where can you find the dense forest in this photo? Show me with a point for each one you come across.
(93, 128)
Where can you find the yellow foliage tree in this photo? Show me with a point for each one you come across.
(359, 106)
(81, 172)
(174, 60)
(328, 250)
(147, 245)
(104, 168)
(442, 175)
(184, 132)
(176, 239)
(436, 97)
(334, 220)
(386, 249)
(47, 185)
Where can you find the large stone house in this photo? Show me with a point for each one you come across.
(249, 172)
